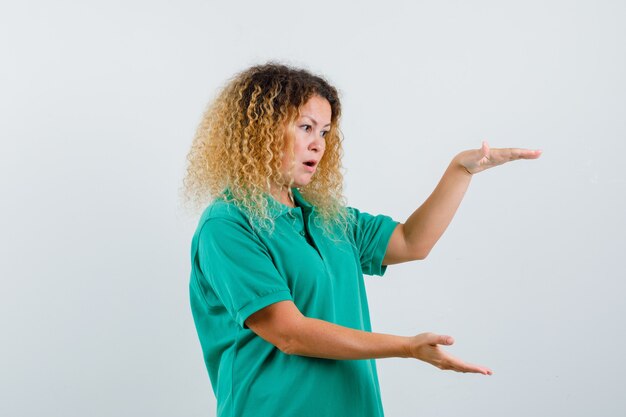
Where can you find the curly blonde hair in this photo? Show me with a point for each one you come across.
(244, 131)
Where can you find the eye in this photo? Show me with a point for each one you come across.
(324, 133)
(306, 127)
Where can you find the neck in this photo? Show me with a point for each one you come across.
(283, 195)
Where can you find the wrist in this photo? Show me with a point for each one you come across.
(458, 165)
(407, 343)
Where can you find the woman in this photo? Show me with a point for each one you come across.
(276, 287)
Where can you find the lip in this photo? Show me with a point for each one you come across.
(312, 167)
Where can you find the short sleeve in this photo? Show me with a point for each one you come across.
(371, 236)
(238, 268)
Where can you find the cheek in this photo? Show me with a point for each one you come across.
(299, 147)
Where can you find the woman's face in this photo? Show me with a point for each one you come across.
(310, 128)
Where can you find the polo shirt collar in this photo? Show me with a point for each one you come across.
(300, 201)
(277, 209)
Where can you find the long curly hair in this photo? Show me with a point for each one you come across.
(239, 144)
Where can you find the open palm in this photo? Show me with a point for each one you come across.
(425, 347)
(477, 160)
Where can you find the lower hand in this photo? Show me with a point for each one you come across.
(425, 347)
(476, 160)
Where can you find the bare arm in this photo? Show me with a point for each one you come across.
(418, 235)
(284, 326)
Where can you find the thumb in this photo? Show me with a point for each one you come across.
(440, 339)
(484, 149)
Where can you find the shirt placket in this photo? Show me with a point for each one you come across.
(297, 222)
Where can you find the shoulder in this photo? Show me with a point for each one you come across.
(355, 215)
(222, 210)
(222, 216)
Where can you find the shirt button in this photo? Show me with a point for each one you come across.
(302, 233)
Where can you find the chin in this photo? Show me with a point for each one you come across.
(303, 182)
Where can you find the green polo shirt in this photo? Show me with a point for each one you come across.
(237, 271)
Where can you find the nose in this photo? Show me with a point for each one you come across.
(318, 144)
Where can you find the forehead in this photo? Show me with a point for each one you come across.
(318, 108)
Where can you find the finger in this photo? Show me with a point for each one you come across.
(468, 367)
(530, 153)
(512, 154)
(440, 339)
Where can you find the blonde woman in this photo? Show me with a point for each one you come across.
(276, 287)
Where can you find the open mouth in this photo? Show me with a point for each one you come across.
(310, 163)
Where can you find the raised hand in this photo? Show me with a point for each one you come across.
(476, 160)
(425, 347)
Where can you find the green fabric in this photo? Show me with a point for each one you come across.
(237, 271)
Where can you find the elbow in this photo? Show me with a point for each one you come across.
(420, 256)
(416, 248)
(420, 253)
(279, 324)
(288, 346)
(289, 343)
(294, 340)
(283, 341)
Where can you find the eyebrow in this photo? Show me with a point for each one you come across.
(312, 119)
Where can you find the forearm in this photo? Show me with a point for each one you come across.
(426, 225)
(322, 339)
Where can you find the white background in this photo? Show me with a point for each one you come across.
(98, 104)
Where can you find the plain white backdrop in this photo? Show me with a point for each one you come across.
(99, 101)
